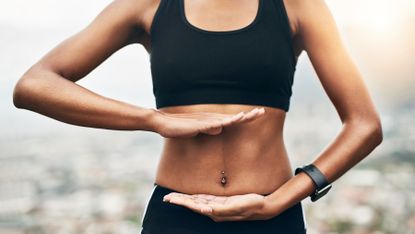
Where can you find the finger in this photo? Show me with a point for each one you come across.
(178, 194)
(236, 117)
(252, 115)
(184, 201)
(212, 130)
(201, 203)
(170, 195)
(201, 114)
(233, 119)
(244, 115)
(174, 194)
(212, 209)
(216, 127)
(191, 204)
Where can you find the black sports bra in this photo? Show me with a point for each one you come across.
(252, 65)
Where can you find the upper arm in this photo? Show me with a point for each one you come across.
(116, 26)
(334, 66)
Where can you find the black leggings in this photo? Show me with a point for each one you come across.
(167, 218)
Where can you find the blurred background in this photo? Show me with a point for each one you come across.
(60, 178)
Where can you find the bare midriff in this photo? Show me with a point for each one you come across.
(244, 158)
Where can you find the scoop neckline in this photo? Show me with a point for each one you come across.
(249, 26)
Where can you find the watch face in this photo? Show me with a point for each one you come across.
(319, 193)
(327, 188)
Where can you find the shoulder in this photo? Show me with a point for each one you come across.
(133, 10)
(305, 13)
(302, 12)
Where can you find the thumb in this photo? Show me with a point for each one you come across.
(213, 130)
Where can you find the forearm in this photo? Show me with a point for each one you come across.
(354, 142)
(49, 94)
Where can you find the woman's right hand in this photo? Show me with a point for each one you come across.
(184, 125)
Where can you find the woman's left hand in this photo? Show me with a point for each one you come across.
(250, 206)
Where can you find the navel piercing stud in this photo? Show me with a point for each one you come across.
(223, 180)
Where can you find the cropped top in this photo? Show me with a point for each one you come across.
(252, 65)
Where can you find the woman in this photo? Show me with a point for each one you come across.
(222, 73)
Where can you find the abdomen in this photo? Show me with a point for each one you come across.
(252, 155)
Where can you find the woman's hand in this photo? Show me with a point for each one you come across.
(191, 124)
(250, 206)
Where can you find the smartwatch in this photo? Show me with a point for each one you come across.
(320, 181)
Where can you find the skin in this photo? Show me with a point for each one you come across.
(202, 140)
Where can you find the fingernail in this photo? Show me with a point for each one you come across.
(207, 210)
(237, 115)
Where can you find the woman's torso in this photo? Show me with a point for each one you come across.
(252, 155)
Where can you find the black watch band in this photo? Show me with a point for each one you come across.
(320, 181)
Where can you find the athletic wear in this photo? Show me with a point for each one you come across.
(163, 217)
(252, 65)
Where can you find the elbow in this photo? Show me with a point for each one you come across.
(20, 92)
(25, 90)
(369, 129)
(374, 130)
(377, 132)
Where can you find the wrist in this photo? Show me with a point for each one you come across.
(321, 183)
(270, 208)
(152, 120)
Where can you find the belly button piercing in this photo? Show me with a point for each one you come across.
(223, 180)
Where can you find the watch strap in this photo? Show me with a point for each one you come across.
(316, 175)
